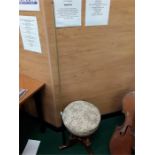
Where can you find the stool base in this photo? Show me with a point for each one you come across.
(74, 139)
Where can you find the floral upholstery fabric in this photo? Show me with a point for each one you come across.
(81, 118)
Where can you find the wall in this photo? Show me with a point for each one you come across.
(88, 63)
(97, 63)
(44, 66)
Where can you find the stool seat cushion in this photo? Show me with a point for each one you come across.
(81, 118)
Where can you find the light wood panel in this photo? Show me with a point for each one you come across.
(97, 63)
(44, 66)
(31, 85)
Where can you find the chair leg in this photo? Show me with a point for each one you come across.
(72, 140)
(87, 144)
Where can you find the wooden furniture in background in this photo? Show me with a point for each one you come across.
(32, 86)
(95, 63)
(44, 66)
(34, 89)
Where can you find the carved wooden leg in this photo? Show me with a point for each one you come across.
(87, 144)
(72, 140)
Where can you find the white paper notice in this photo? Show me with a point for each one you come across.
(67, 13)
(29, 33)
(97, 12)
(29, 5)
(31, 147)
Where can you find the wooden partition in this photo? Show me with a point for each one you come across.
(95, 63)
(44, 66)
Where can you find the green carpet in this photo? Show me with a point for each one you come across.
(50, 140)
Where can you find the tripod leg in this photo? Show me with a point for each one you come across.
(87, 144)
(72, 140)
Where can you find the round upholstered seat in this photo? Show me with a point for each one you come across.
(81, 118)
